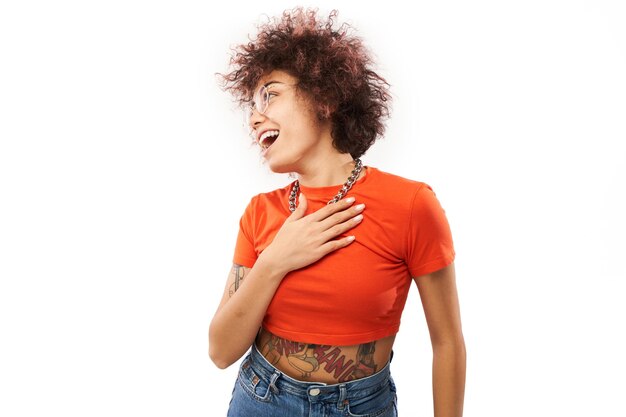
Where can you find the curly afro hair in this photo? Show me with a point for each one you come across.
(333, 69)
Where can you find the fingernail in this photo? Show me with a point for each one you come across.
(360, 207)
(358, 218)
(350, 200)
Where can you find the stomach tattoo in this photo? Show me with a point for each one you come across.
(325, 363)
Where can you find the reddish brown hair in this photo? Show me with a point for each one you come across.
(333, 69)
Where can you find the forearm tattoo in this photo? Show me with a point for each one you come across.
(238, 272)
(309, 358)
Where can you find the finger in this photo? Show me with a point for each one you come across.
(341, 216)
(331, 209)
(341, 228)
(333, 245)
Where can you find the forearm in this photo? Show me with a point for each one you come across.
(236, 323)
(449, 379)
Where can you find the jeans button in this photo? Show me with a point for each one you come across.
(314, 391)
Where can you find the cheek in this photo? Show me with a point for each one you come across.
(302, 124)
(296, 124)
(291, 126)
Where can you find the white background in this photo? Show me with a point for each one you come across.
(124, 171)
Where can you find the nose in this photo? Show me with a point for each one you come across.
(256, 119)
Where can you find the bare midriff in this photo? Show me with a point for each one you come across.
(324, 363)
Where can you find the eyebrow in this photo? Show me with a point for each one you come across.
(272, 82)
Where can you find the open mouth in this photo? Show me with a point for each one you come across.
(268, 138)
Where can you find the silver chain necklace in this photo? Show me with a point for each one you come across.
(342, 191)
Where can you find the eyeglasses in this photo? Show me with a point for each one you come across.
(260, 103)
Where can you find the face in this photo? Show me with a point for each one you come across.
(301, 137)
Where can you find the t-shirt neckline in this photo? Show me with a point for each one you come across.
(330, 191)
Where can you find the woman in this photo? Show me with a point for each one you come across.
(322, 266)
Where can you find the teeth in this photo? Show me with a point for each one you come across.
(266, 135)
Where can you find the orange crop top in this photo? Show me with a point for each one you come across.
(357, 293)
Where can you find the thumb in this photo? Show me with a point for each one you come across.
(301, 208)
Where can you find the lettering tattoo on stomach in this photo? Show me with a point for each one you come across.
(311, 358)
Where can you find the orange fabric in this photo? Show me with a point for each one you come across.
(356, 294)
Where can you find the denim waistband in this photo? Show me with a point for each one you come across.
(315, 391)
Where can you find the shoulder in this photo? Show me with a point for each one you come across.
(270, 201)
(396, 186)
(268, 196)
(394, 179)
(411, 196)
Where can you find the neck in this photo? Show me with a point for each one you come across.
(334, 171)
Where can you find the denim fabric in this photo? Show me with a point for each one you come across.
(262, 390)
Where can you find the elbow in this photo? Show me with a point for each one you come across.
(219, 360)
(218, 356)
(453, 345)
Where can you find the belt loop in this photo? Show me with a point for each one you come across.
(273, 386)
(343, 393)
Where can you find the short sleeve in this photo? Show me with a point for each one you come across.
(245, 254)
(429, 246)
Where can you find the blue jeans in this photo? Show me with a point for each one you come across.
(262, 390)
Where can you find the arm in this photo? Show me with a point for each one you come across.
(249, 291)
(441, 307)
(240, 313)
